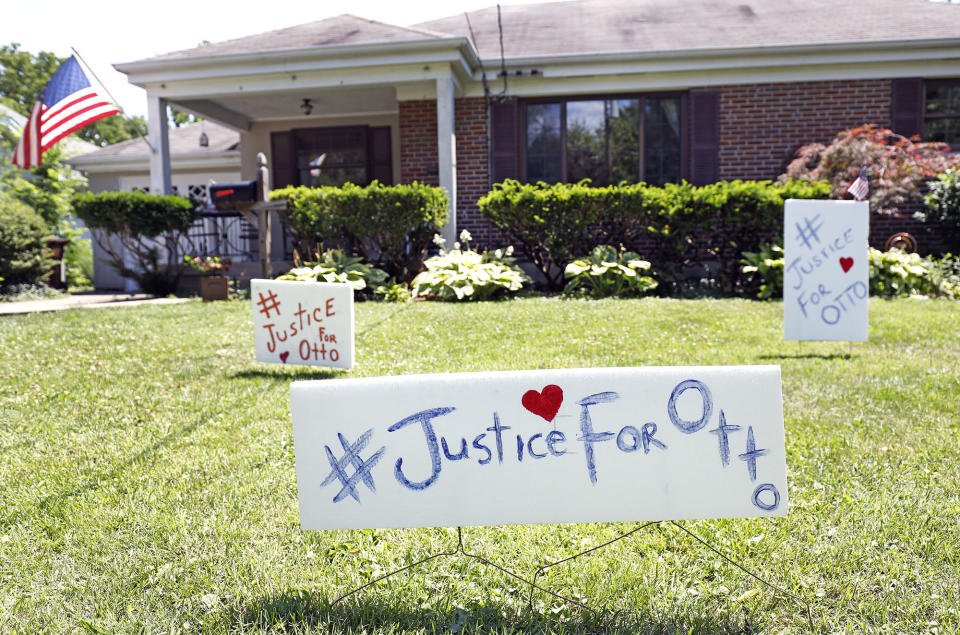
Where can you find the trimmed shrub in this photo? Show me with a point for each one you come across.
(23, 235)
(150, 228)
(390, 225)
(943, 205)
(552, 223)
(698, 231)
(607, 272)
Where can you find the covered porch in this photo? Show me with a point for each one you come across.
(322, 114)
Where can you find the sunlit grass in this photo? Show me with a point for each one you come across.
(148, 484)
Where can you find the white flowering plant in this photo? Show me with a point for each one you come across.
(463, 274)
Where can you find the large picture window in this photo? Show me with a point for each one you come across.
(941, 117)
(605, 140)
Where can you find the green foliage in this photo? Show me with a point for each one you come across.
(337, 266)
(551, 223)
(47, 188)
(393, 291)
(896, 273)
(464, 275)
(943, 205)
(23, 246)
(698, 231)
(393, 223)
(897, 167)
(609, 273)
(23, 76)
(77, 254)
(764, 271)
(150, 228)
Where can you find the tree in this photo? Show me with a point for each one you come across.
(897, 167)
(23, 77)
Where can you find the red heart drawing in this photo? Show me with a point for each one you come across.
(545, 403)
(846, 264)
(284, 355)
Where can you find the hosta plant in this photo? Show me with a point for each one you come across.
(764, 270)
(896, 273)
(464, 274)
(607, 272)
(337, 266)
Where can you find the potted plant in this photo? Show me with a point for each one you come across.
(214, 285)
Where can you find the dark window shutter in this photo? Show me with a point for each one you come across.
(283, 160)
(906, 106)
(379, 155)
(504, 140)
(704, 137)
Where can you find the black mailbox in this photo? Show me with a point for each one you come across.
(229, 194)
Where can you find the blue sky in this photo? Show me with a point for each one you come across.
(112, 31)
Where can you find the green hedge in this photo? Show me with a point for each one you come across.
(390, 225)
(144, 224)
(23, 243)
(691, 227)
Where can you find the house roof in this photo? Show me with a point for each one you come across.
(610, 26)
(337, 31)
(183, 140)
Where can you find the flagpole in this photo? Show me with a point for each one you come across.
(109, 94)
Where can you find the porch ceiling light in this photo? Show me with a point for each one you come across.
(306, 106)
(204, 140)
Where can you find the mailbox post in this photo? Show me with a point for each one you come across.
(250, 199)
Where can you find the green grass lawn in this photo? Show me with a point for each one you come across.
(147, 472)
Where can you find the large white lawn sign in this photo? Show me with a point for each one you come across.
(826, 269)
(308, 323)
(550, 446)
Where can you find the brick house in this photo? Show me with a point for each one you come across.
(649, 90)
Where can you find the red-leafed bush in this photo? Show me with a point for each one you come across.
(897, 167)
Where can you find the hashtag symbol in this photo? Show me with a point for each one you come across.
(805, 233)
(351, 458)
(268, 303)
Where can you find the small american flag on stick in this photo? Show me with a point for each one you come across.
(69, 102)
(861, 187)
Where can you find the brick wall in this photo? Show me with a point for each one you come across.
(762, 125)
(418, 152)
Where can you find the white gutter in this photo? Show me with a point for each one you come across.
(820, 48)
(141, 163)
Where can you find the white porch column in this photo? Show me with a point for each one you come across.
(447, 153)
(160, 140)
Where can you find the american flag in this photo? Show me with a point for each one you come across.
(861, 187)
(68, 103)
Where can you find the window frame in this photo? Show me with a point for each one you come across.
(641, 97)
(955, 115)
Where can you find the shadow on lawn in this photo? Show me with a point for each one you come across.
(282, 374)
(824, 356)
(295, 610)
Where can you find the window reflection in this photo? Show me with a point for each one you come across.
(600, 140)
(544, 143)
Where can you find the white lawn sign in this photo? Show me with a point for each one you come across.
(826, 270)
(309, 323)
(545, 446)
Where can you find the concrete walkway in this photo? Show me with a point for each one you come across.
(83, 301)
